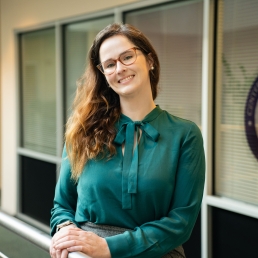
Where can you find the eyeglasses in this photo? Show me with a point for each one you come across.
(126, 58)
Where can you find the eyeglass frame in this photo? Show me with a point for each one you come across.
(118, 59)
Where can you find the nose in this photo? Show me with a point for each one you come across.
(119, 67)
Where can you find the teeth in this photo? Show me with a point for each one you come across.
(126, 79)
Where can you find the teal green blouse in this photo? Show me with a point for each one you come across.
(155, 189)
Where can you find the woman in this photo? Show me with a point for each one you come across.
(132, 175)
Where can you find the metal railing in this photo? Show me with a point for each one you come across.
(32, 234)
(2, 255)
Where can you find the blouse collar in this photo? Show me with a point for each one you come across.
(148, 118)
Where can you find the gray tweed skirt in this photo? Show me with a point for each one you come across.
(106, 230)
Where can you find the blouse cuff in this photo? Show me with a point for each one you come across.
(117, 245)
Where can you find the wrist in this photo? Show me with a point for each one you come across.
(67, 223)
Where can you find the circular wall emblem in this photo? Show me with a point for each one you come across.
(251, 118)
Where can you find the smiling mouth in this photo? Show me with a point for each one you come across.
(126, 79)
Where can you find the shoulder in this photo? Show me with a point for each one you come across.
(179, 131)
(177, 123)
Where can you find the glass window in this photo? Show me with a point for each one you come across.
(38, 91)
(175, 30)
(78, 39)
(237, 127)
(38, 180)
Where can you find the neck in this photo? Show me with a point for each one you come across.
(137, 109)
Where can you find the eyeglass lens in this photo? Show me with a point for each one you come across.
(125, 58)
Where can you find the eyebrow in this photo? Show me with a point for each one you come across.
(119, 54)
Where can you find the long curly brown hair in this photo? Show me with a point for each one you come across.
(90, 130)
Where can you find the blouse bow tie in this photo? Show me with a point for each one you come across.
(130, 162)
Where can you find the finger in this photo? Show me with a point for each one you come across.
(78, 248)
(66, 233)
(69, 244)
(67, 239)
(74, 235)
(64, 253)
(97, 248)
(58, 253)
(52, 251)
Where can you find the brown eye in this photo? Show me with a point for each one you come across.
(127, 57)
(109, 64)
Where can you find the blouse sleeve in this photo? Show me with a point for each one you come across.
(156, 238)
(65, 196)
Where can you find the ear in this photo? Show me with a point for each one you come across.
(150, 61)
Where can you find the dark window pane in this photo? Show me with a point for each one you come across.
(234, 235)
(37, 190)
(193, 246)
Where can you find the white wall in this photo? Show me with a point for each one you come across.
(16, 14)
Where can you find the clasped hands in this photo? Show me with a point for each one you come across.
(73, 239)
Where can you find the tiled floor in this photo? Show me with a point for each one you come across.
(14, 246)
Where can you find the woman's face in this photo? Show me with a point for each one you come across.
(126, 81)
